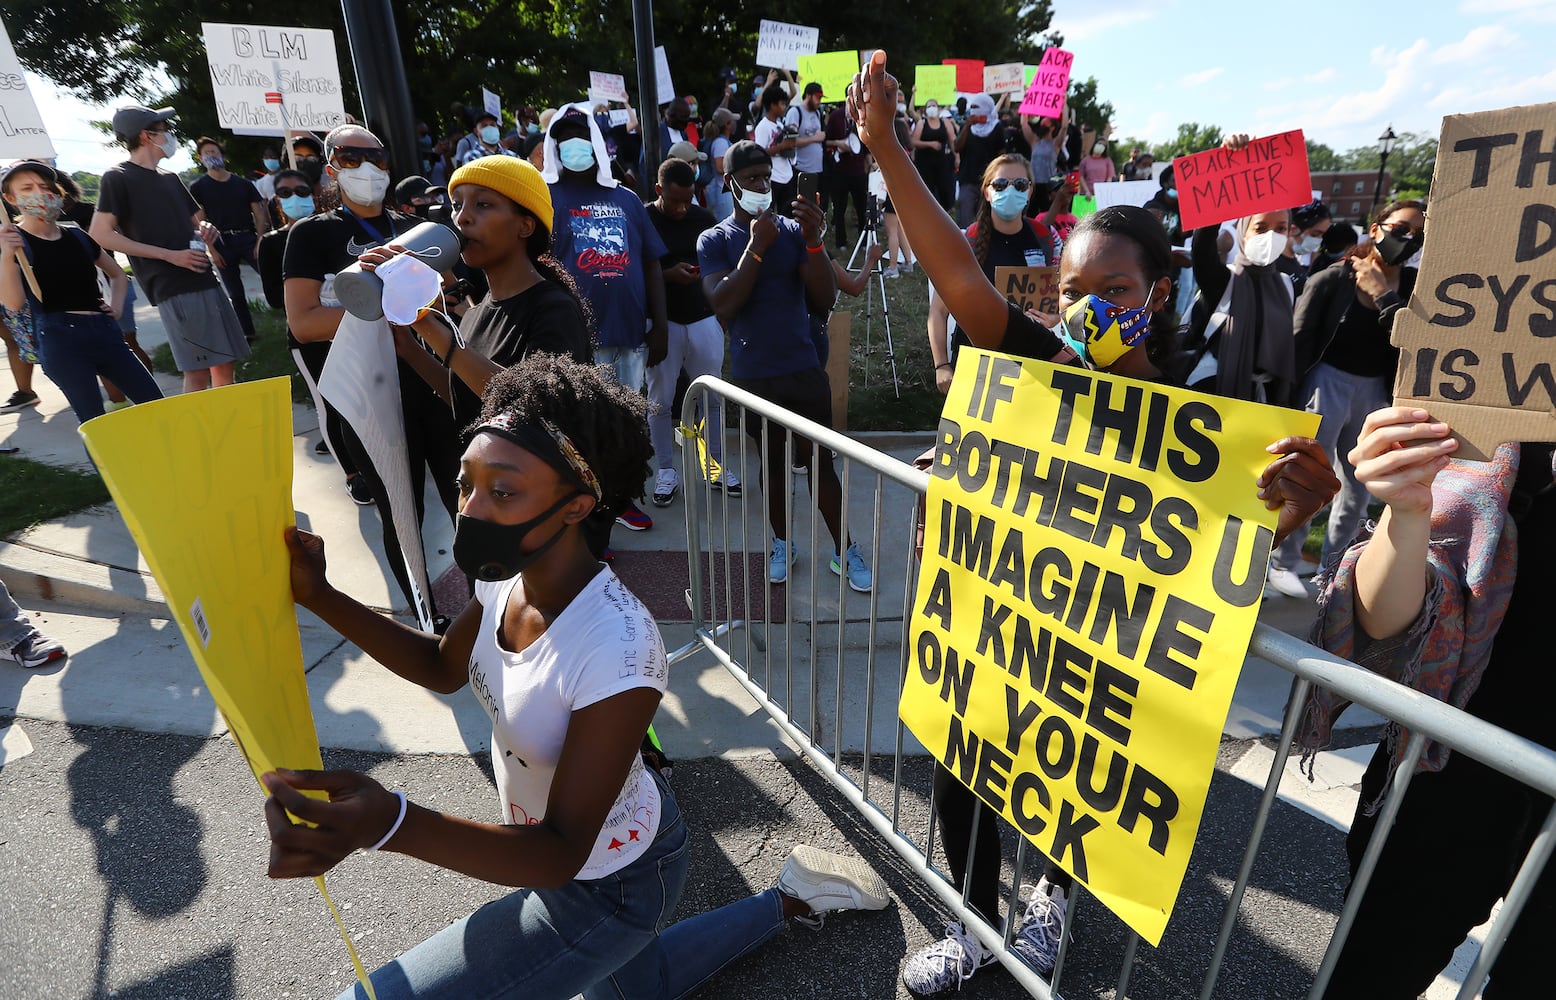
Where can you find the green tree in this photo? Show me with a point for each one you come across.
(1410, 162)
(1321, 157)
(1192, 138)
(89, 184)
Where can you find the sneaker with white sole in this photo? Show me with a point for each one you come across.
(19, 400)
(784, 556)
(36, 650)
(666, 485)
(827, 882)
(859, 576)
(1287, 582)
(1041, 927)
(946, 964)
(633, 519)
(728, 483)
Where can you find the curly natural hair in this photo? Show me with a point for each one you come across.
(606, 421)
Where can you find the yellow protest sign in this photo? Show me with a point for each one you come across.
(935, 83)
(1094, 557)
(833, 70)
(204, 482)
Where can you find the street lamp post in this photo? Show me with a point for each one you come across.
(1385, 143)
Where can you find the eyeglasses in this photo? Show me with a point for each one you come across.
(301, 191)
(1001, 183)
(347, 157)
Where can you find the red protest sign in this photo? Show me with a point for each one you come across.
(969, 74)
(1045, 94)
(1267, 175)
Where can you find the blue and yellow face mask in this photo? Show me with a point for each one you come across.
(1102, 332)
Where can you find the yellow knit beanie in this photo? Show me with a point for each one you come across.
(511, 177)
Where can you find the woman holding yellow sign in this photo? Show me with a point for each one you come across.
(1115, 282)
(570, 667)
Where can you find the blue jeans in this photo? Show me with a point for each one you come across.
(599, 938)
(14, 626)
(74, 350)
(629, 364)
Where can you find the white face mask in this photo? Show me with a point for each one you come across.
(1310, 244)
(409, 287)
(1264, 248)
(754, 202)
(364, 185)
(169, 144)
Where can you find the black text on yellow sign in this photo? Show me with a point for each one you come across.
(1093, 561)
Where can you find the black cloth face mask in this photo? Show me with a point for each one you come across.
(1396, 249)
(486, 550)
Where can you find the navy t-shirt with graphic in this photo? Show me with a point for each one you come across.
(603, 236)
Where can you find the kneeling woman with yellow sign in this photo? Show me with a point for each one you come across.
(1115, 281)
(570, 666)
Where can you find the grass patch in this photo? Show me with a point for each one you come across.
(31, 492)
(872, 403)
(269, 356)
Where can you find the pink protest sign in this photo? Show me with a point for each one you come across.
(969, 74)
(1045, 95)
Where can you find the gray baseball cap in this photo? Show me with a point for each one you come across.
(130, 122)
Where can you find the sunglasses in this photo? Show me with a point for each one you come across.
(1001, 183)
(347, 157)
(291, 192)
(1402, 229)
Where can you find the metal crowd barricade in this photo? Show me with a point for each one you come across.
(733, 616)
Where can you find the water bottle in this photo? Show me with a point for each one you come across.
(196, 243)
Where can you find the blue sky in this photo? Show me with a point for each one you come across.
(1339, 70)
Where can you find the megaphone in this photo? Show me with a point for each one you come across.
(409, 287)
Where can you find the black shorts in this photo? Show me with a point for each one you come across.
(808, 393)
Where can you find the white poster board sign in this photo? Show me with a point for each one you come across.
(780, 45)
(662, 72)
(1135, 193)
(260, 73)
(491, 104)
(22, 135)
(607, 87)
(1006, 78)
(620, 116)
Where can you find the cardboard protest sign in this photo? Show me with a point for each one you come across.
(662, 80)
(22, 135)
(935, 83)
(608, 86)
(211, 531)
(1267, 175)
(1046, 92)
(1003, 79)
(1476, 343)
(1094, 558)
(1030, 288)
(969, 74)
(1135, 193)
(833, 70)
(269, 79)
(779, 45)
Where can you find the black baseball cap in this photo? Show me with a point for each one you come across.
(410, 189)
(308, 140)
(132, 121)
(743, 154)
(811, 88)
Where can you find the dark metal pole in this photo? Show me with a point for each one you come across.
(1377, 188)
(386, 97)
(648, 93)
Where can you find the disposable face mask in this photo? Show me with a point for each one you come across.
(931, 111)
(532, 128)
(577, 154)
(409, 287)
(1103, 332)
(1009, 203)
(490, 551)
(272, 164)
(365, 184)
(489, 135)
(752, 202)
(902, 109)
(1264, 248)
(1098, 149)
(1172, 193)
(45, 205)
(1310, 244)
(169, 144)
(297, 206)
(213, 162)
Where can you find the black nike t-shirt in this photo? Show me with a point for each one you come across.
(321, 246)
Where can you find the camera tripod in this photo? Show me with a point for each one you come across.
(867, 239)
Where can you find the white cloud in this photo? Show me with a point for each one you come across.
(1478, 45)
(1464, 99)
(1202, 77)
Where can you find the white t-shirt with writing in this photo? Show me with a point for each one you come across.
(768, 134)
(603, 643)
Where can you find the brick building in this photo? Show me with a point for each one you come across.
(1348, 193)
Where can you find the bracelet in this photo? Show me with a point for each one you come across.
(943, 364)
(817, 248)
(754, 255)
(393, 829)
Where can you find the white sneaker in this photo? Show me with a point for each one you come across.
(666, 485)
(946, 964)
(36, 650)
(1038, 935)
(826, 882)
(1287, 583)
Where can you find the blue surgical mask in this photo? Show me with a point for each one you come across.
(297, 206)
(1009, 203)
(490, 135)
(577, 154)
(272, 164)
(532, 128)
(754, 202)
(1172, 193)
